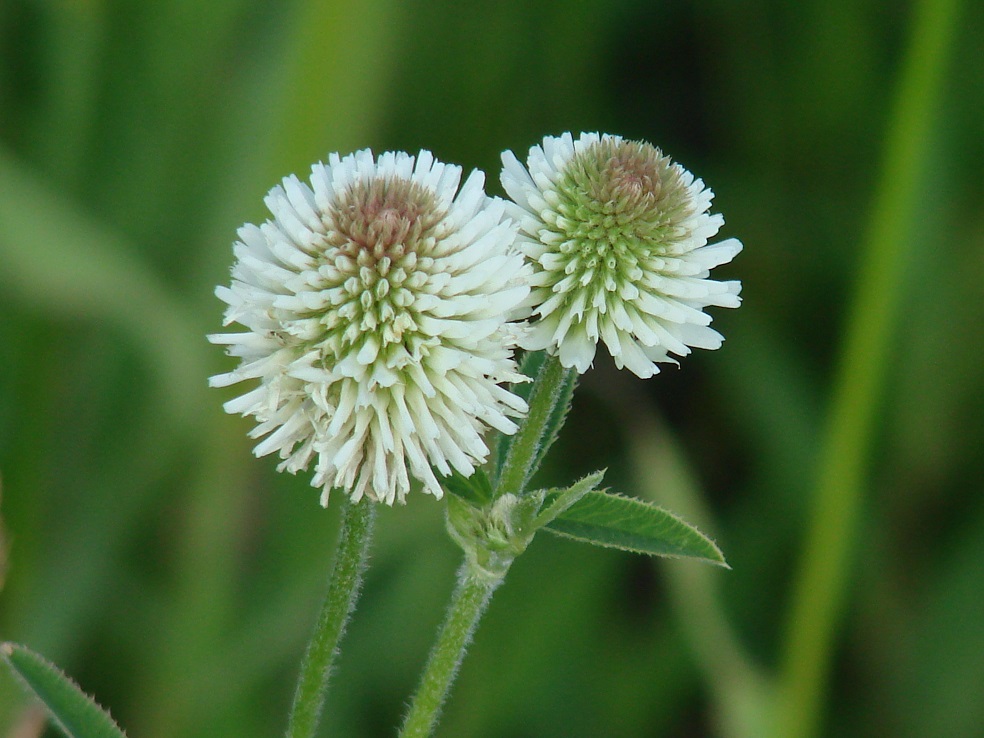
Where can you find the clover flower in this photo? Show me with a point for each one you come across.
(375, 304)
(616, 234)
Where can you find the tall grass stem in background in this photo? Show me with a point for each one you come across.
(740, 689)
(343, 589)
(860, 379)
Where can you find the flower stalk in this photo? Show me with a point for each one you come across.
(345, 581)
(491, 537)
(468, 603)
(525, 445)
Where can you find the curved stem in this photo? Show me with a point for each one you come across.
(468, 603)
(343, 590)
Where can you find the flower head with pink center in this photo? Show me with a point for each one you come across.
(376, 304)
(617, 237)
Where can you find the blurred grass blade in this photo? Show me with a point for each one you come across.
(58, 261)
(339, 59)
(632, 525)
(75, 713)
(3, 542)
(320, 84)
(743, 695)
(822, 578)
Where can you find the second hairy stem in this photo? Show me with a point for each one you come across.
(469, 601)
(343, 589)
(475, 584)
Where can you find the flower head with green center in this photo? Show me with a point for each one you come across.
(616, 234)
(376, 303)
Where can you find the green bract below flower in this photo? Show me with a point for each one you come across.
(617, 237)
(376, 304)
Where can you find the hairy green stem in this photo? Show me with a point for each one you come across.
(518, 466)
(469, 601)
(474, 589)
(343, 589)
(822, 577)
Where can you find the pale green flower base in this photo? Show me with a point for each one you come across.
(343, 589)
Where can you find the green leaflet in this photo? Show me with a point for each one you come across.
(558, 502)
(476, 489)
(75, 714)
(633, 525)
(530, 365)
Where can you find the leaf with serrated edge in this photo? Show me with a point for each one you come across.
(633, 525)
(75, 713)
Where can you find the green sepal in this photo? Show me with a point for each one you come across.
(477, 488)
(492, 535)
(74, 712)
(633, 525)
(558, 501)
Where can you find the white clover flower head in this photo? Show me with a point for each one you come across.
(375, 304)
(616, 234)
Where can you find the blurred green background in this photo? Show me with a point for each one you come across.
(177, 578)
